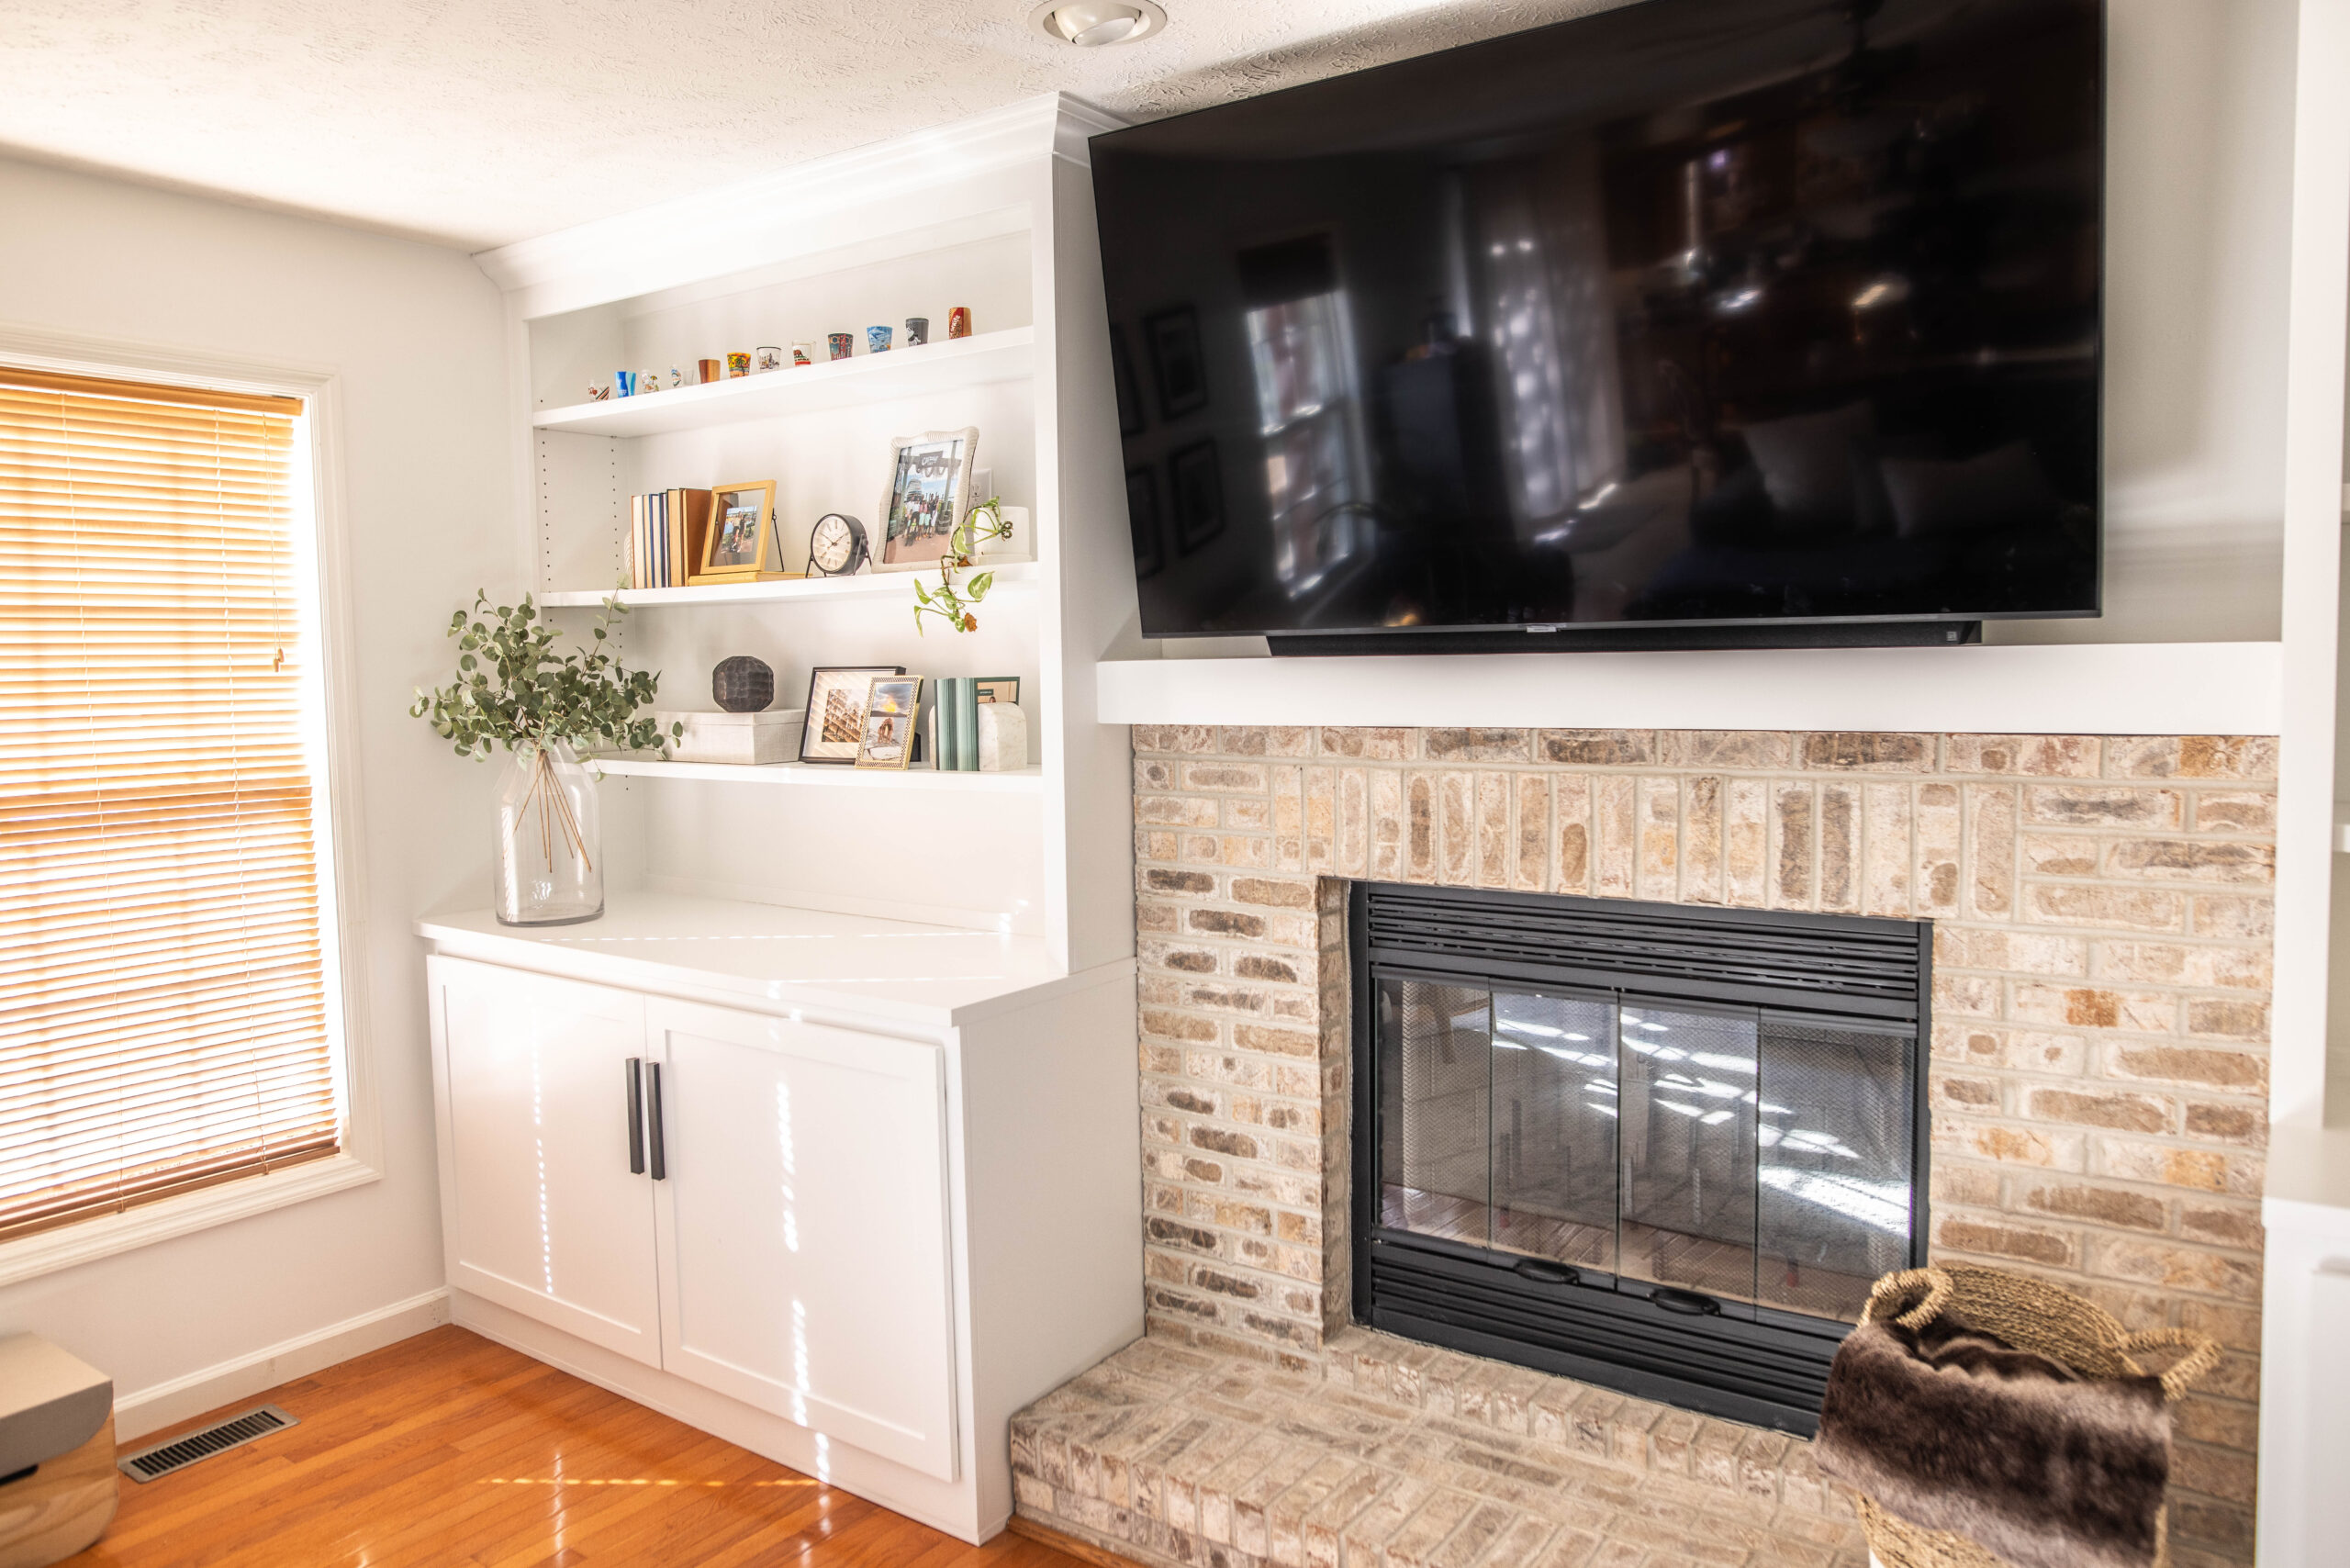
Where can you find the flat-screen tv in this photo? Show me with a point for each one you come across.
(1743, 314)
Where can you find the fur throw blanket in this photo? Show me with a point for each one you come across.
(1954, 1429)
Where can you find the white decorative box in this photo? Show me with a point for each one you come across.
(749, 738)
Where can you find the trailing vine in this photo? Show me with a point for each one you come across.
(946, 601)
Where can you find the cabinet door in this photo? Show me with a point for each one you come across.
(540, 1211)
(802, 1226)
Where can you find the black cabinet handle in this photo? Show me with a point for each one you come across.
(1546, 1273)
(1689, 1304)
(636, 1116)
(652, 1122)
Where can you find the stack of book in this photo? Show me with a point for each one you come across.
(666, 531)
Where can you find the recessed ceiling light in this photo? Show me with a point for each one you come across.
(1089, 23)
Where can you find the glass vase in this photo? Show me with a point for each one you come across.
(549, 861)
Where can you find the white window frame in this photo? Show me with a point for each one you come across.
(341, 859)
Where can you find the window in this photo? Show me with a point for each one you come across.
(168, 1016)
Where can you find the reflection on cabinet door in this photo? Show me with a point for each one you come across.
(802, 1226)
(540, 1211)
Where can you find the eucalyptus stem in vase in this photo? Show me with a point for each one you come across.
(983, 521)
(515, 689)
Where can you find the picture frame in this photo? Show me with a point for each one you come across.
(928, 491)
(1176, 361)
(892, 707)
(997, 687)
(1142, 516)
(741, 544)
(1195, 482)
(1130, 418)
(837, 699)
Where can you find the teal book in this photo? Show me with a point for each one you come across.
(949, 713)
(967, 724)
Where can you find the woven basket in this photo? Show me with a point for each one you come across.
(2031, 1316)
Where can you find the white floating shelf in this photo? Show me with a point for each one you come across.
(1027, 782)
(808, 388)
(860, 586)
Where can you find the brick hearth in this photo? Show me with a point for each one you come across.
(2102, 959)
(1385, 1451)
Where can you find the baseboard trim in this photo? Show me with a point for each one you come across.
(167, 1404)
(1083, 1551)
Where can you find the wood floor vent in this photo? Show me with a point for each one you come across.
(152, 1464)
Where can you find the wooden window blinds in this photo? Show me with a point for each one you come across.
(162, 978)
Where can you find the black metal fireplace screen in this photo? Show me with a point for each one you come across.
(1660, 1149)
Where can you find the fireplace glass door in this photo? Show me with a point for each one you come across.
(1719, 1159)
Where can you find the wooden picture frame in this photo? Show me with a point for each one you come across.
(836, 698)
(741, 544)
(893, 711)
(928, 491)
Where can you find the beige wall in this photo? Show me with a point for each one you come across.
(2101, 911)
(415, 335)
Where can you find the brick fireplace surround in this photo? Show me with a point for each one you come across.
(2101, 911)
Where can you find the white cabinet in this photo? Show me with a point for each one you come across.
(756, 1204)
(802, 1225)
(540, 1211)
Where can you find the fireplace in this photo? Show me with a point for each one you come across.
(1657, 1147)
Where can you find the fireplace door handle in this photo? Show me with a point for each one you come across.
(1689, 1304)
(636, 1116)
(1546, 1274)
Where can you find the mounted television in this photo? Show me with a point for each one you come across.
(1689, 322)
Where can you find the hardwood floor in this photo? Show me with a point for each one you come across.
(447, 1449)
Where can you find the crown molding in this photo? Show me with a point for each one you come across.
(756, 220)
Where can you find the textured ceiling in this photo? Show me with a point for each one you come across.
(475, 122)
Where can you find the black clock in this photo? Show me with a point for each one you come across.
(835, 545)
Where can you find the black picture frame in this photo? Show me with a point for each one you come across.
(1176, 361)
(1142, 515)
(1131, 417)
(813, 746)
(1195, 486)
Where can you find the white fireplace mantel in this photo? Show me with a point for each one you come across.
(2064, 689)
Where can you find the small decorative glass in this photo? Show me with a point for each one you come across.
(877, 340)
(549, 858)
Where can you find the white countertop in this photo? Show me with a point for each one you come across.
(935, 974)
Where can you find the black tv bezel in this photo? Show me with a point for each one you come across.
(1936, 628)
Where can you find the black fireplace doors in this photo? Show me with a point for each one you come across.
(1660, 1149)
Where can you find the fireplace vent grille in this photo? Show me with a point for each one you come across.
(1845, 965)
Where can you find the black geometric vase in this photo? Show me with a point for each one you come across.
(742, 684)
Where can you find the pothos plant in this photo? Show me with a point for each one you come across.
(983, 521)
(514, 688)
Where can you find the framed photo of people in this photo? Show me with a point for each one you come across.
(891, 705)
(930, 482)
(741, 544)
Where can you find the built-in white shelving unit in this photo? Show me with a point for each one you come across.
(896, 1006)
(898, 374)
(789, 591)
